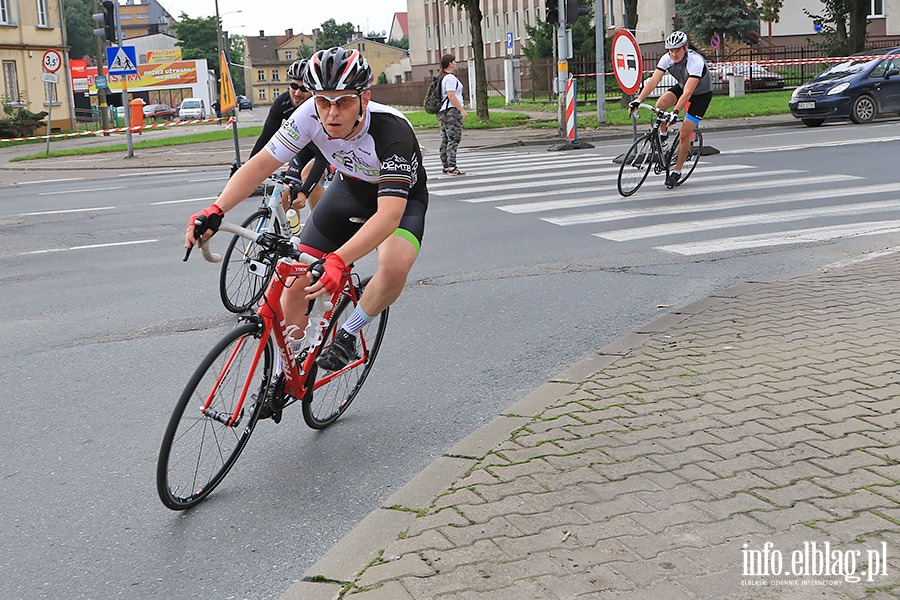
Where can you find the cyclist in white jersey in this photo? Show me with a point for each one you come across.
(693, 93)
(378, 200)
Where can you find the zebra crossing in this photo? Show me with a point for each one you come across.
(713, 213)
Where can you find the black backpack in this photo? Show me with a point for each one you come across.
(434, 98)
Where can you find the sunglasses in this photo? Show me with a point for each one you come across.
(324, 102)
(297, 86)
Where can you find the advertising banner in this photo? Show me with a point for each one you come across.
(164, 56)
(78, 68)
(170, 74)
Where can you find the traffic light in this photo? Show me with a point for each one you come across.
(551, 8)
(108, 19)
(573, 11)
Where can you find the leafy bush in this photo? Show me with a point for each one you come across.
(18, 121)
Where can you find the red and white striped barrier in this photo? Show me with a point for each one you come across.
(774, 62)
(117, 129)
(571, 117)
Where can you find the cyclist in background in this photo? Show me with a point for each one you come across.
(378, 200)
(692, 92)
(301, 166)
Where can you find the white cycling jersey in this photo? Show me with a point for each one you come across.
(385, 153)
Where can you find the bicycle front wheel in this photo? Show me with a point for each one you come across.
(635, 166)
(334, 391)
(201, 444)
(693, 156)
(245, 274)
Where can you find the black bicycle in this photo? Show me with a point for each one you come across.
(648, 151)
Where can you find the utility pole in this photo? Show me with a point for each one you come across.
(100, 56)
(562, 65)
(127, 109)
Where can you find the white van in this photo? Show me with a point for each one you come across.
(192, 108)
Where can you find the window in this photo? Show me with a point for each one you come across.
(43, 20)
(428, 37)
(124, 17)
(10, 80)
(276, 92)
(275, 75)
(516, 25)
(4, 12)
(443, 35)
(527, 21)
(505, 24)
(497, 27)
(452, 35)
(260, 75)
(262, 94)
(876, 8)
(288, 55)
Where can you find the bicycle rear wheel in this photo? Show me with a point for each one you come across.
(245, 274)
(693, 156)
(328, 401)
(199, 446)
(635, 166)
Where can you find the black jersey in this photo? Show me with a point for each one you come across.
(279, 112)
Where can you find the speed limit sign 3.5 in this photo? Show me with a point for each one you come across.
(52, 61)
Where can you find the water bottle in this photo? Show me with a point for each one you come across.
(294, 222)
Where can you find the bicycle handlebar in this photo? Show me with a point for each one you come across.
(252, 236)
(660, 113)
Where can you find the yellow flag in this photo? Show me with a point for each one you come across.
(227, 99)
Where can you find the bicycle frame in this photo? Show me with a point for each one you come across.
(270, 314)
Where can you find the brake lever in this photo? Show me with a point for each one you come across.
(317, 270)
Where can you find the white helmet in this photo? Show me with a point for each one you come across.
(678, 39)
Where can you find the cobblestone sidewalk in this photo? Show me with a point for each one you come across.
(750, 434)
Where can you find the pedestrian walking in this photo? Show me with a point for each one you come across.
(451, 114)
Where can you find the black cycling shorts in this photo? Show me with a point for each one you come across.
(342, 210)
(698, 103)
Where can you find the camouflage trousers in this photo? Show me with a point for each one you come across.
(451, 134)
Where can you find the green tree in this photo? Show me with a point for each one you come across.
(543, 37)
(401, 43)
(770, 12)
(79, 27)
(733, 19)
(333, 34)
(631, 14)
(236, 49)
(843, 24)
(198, 39)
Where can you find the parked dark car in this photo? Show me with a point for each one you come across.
(861, 89)
(159, 111)
(756, 77)
(244, 102)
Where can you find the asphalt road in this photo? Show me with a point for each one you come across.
(104, 324)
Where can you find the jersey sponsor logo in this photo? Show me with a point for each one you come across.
(397, 164)
(355, 166)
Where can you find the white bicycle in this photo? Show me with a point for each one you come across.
(246, 271)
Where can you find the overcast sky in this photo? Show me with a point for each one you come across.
(274, 16)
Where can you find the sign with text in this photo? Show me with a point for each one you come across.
(148, 76)
(163, 56)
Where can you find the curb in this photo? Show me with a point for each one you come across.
(345, 562)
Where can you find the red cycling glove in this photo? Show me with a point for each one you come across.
(335, 271)
(210, 217)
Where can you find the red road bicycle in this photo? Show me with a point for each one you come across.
(251, 374)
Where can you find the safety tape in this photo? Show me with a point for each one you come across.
(120, 129)
(775, 62)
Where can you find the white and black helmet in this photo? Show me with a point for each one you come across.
(338, 69)
(678, 39)
(296, 70)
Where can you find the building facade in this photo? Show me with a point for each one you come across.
(267, 58)
(144, 17)
(28, 29)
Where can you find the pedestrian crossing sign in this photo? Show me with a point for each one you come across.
(121, 60)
